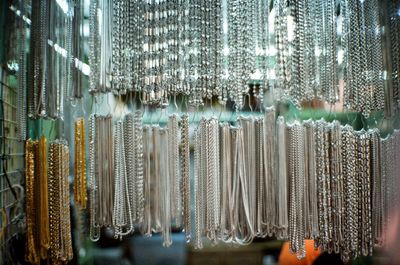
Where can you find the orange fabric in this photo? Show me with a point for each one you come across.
(287, 258)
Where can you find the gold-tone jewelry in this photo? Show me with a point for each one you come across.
(66, 208)
(44, 233)
(31, 252)
(80, 192)
(60, 226)
(54, 204)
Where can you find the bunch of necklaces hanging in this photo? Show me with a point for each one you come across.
(250, 180)
(210, 48)
(161, 48)
(261, 176)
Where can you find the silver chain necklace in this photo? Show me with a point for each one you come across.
(304, 180)
(122, 208)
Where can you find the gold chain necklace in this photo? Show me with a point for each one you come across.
(31, 253)
(80, 193)
(42, 186)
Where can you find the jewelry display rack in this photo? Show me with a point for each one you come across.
(275, 121)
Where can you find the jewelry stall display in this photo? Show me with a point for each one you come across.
(263, 173)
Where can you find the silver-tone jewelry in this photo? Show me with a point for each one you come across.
(165, 189)
(226, 217)
(311, 208)
(248, 135)
(282, 179)
(270, 171)
(377, 195)
(122, 208)
(296, 174)
(185, 171)
(101, 164)
(198, 188)
(173, 148)
(146, 223)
